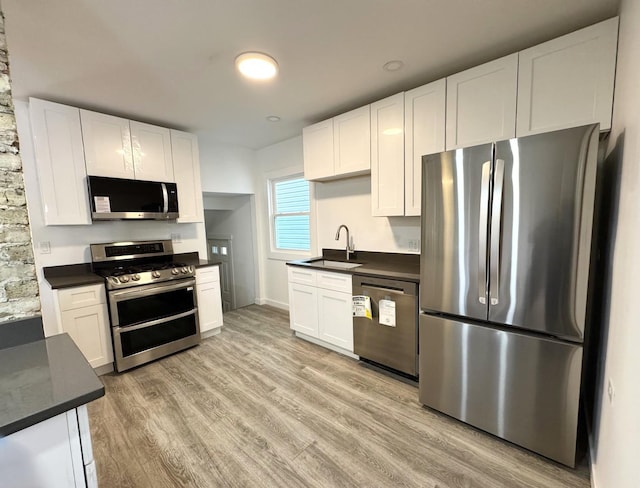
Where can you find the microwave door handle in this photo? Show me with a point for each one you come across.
(165, 196)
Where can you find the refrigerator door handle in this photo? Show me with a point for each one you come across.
(496, 217)
(483, 224)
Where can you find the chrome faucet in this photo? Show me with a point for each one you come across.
(349, 248)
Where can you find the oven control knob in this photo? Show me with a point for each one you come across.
(191, 269)
(175, 271)
(155, 274)
(113, 279)
(184, 270)
(135, 277)
(124, 279)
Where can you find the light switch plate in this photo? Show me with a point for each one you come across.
(45, 247)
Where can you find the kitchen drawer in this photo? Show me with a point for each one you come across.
(302, 276)
(209, 274)
(81, 296)
(334, 281)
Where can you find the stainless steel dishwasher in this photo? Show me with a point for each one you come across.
(394, 347)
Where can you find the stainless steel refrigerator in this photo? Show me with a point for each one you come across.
(506, 251)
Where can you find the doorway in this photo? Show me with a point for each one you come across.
(221, 249)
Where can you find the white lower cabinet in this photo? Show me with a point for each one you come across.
(82, 313)
(209, 300)
(303, 308)
(48, 454)
(321, 310)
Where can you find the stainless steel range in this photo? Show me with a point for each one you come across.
(152, 300)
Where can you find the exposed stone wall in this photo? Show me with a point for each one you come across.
(18, 285)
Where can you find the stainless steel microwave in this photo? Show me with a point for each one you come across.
(123, 199)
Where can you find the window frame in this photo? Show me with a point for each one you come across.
(288, 254)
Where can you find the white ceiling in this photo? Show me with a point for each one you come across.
(170, 62)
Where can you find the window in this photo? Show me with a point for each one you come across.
(290, 207)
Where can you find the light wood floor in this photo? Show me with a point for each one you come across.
(255, 406)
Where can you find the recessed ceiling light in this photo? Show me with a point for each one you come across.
(273, 118)
(257, 66)
(394, 65)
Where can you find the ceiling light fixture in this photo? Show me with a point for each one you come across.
(394, 65)
(273, 118)
(257, 66)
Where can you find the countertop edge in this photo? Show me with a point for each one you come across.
(47, 413)
(364, 270)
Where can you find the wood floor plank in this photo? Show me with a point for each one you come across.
(256, 406)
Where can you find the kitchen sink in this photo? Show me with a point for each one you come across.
(334, 264)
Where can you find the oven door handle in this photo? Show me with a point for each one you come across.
(126, 328)
(153, 289)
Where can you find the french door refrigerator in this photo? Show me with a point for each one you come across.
(506, 249)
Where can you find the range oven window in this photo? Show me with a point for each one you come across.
(139, 309)
(139, 340)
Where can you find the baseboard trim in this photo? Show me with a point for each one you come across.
(326, 345)
(211, 333)
(104, 369)
(276, 304)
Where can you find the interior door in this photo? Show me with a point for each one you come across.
(543, 202)
(221, 250)
(455, 211)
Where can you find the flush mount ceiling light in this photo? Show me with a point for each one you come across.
(257, 66)
(394, 65)
(273, 118)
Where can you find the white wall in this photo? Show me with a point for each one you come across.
(346, 201)
(617, 430)
(272, 271)
(236, 219)
(70, 244)
(349, 202)
(225, 168)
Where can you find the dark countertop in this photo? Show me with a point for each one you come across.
(405, 267)
(42, 379)
(71, 275)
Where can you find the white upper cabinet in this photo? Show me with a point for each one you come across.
(351, 142)
(568, 81)
(481, 103)
(151, 152)
(387, 156)
(120, 148)
(317, 144)
(338, 147)
(186, 169)
(424, 124)
(57, 139)
(107, 145)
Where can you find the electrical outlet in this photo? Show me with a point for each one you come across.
(45, 247)
(611, 391)
(176, 238)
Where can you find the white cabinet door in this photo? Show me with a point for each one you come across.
(352, 142)
(424, 124)
(209, 297)
(481, 103)
(303, 309)
(186, 172)
(387, 156)
(335, 318)
(151, 152)
(57, 140)
(46, 454)
(89, 328)
(209, 305)
(568, 81)
(107, 145)
(317, 146)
